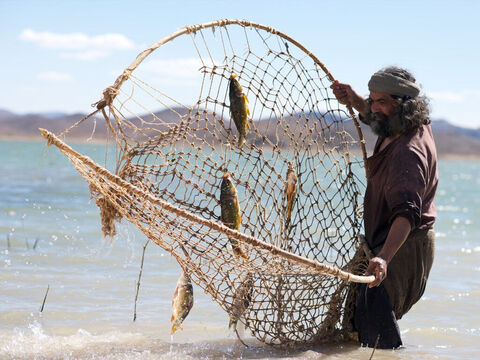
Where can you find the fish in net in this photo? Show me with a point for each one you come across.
(254, 183)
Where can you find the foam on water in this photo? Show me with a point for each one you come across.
(35, 342)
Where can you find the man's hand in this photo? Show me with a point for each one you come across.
(396, 237)
(377, 267)
(343, 92)
(345, 95)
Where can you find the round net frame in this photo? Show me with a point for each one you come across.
(173, 149)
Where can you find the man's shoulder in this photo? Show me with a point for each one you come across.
(419, 139)
(416, 144)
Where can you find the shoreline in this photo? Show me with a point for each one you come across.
(39, 138)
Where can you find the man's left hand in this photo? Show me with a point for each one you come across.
(377, 267)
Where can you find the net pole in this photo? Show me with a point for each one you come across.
(274, 250)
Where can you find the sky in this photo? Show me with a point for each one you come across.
(58, 56)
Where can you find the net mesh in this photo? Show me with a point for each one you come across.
(171, 122)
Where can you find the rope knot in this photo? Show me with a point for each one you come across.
(108, 95)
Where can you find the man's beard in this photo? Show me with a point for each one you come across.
(385, 126)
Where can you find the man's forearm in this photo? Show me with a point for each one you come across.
(396, 237)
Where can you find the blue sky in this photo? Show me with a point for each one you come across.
(60, 55)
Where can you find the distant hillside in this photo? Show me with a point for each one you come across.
(451, 140)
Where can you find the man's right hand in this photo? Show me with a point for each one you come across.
(378, 268)
(343, 92)
(345, 95)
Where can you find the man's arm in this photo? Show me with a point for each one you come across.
(396, 237)
(347, 96)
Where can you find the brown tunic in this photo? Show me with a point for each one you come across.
(402, 181)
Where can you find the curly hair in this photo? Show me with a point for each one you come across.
(413, 112)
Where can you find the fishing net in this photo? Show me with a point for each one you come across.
(175, 139)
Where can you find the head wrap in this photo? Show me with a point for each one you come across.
(386, 82)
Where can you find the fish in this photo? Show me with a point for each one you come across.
(182, 301)
(230, 211)
(242, 298)
(239, 110)
(290, 190)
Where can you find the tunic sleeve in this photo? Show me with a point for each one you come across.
(405, 186)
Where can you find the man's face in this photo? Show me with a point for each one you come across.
(383, 116)
(383, 103)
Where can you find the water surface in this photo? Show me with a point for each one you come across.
(50, 236)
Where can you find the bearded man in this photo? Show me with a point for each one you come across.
(398, 206)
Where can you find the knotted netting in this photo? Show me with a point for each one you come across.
(171, 122)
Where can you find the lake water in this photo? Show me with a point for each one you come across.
(50, 237)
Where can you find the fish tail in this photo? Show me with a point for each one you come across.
(289, 210)
(237, 250)
(175, 327)
(241, 141)
(232, 323)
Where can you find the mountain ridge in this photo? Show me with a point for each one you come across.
(451, 140)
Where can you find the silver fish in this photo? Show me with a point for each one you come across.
(242, 299)
(182, 301)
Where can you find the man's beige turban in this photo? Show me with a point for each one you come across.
(386, 82)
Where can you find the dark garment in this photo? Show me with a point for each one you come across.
(375, 320)
(378, 309)
(402, 180)
(407, 273)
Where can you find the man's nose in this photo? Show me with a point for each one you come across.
(374, 108)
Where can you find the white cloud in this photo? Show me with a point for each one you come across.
(85, 55)
(182, 68)
(455, 97)
(77, 41)
(54, 76)
(458, 107)
(79, 46)
(447, 96)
